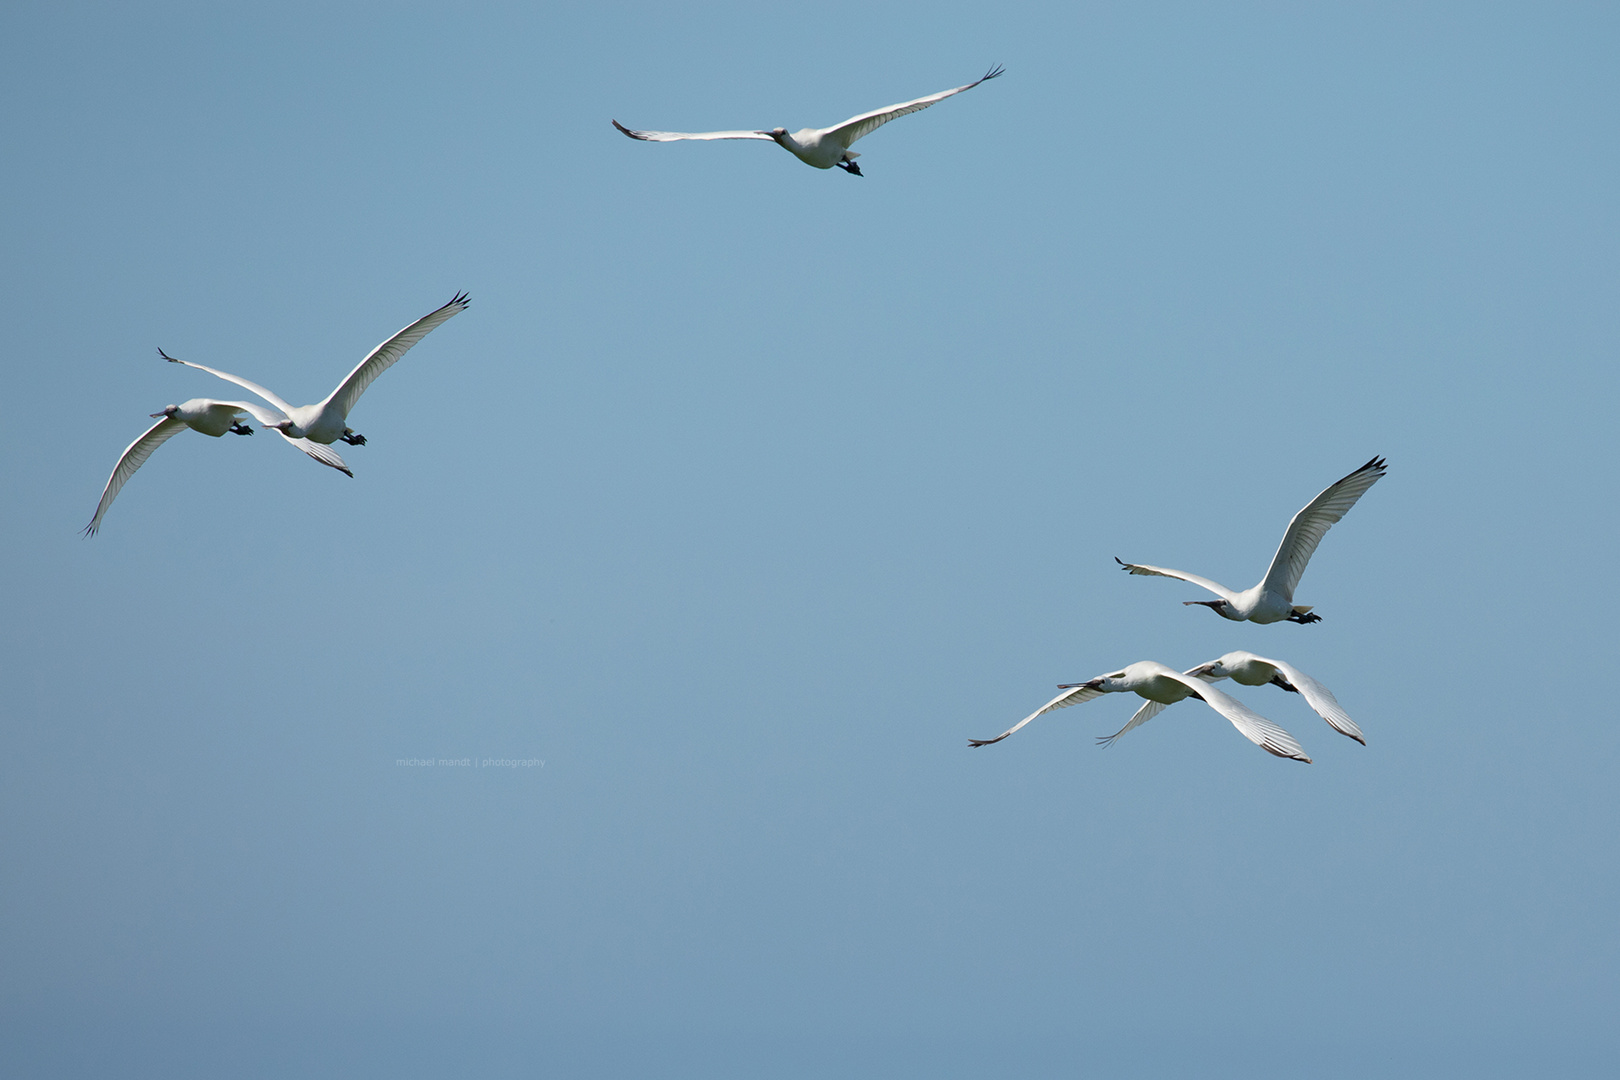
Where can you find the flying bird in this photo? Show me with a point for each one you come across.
(1273, 599)
(208, 416)
(820, 147)
(327, 421)
(1166, 686)
(1247, 669)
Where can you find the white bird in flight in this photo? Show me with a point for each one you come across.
(327, 421)
(1166, 686)
(820, 147)
(1248, 669)
(1273, 599)
(199, 414)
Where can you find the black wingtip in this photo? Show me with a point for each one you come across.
(1123, 565)
(169, 358)
(627, 131)
(993, 73)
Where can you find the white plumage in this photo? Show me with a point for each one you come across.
(819, 147)
(1165, 686)
(208, 416)
(327, 421)
(1247, 669)
(1273, 599)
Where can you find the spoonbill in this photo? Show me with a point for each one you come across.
(1247, 669)
(820, 147)
(1165, 686)
(1273, 599)
(208, 416)
(327, 421)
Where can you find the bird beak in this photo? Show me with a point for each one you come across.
(1091, 684)
(158, 414)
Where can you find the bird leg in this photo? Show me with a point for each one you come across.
(352, 438)
(239, 428)
(850, 167)
(1213, 605)
(1278, 680)
(1303, 617)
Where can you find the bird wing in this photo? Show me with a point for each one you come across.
(237, 379)
(1254, 727)
(384, 355)
(1147, 712)
(134, 456)
(323, 454)
(1158, 571)
(1321, 699)
(265, 416)
(1312, 523)
(868, 122)
(683, 136)
(1069, 697)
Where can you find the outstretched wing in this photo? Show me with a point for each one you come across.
(1321, 699)
(1312, 523)
(683, 136)
(1147, 712)
(1158, 571)
(1069, 697)
(323, 454)
(384, 355)
(868, 122)
(253, 387)
(264, 416)
(1254, 727)
(134, 456)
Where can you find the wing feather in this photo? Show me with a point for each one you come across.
(323, 454)
(253, 387)
(1180, 575)
(1321, 699)
(683, 136)
(133, 457)
(1254, 727)
(1147, 712)
(384, 355)
(866, 123)
(1312, 523)
(1069, 697)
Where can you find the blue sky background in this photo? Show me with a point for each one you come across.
(744, 494)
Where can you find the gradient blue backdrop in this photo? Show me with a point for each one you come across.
(745, 493)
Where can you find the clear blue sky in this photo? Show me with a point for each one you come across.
(744, 494)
